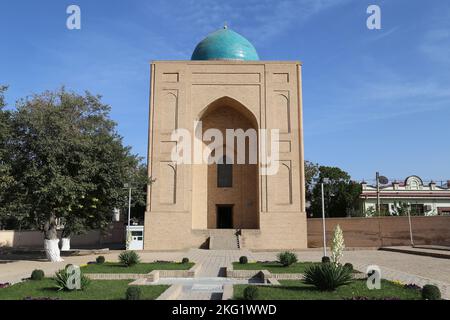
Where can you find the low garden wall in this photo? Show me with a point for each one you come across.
(153, 276)
(242, 274)
(382, 231)
(35, 239)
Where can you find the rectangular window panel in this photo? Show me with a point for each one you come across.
(224, 175)
(417, 209)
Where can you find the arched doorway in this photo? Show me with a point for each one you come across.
(232, 200)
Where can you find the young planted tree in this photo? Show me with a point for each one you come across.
(68, 162)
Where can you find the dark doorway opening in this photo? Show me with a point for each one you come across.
(224, 216)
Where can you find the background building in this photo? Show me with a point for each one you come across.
(412, 194)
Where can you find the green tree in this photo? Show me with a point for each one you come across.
(311, 174)
(68, 162)
(6, 178)
(138, 179)
(341, 195)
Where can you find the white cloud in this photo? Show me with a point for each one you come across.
(259, 20)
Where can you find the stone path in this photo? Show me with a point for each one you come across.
(214, 261)
(213, 264)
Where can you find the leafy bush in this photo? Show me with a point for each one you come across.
(287, 258)
(133, 293)
(327, 276)
(243, 260)
(349, 266)
(326, 259)
(129, 258)
(431, 292)
(251, 293)
(185, 260)
(64, 282)
(100, 259)
(37, 274)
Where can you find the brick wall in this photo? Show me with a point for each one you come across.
(382, 231)
(35, 239)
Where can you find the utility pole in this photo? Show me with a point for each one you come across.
(377, 178)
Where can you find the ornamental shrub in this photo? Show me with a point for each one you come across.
(287, 258)
(243, 260)
(129, 258)
(327, 276)
(133, 293)
(64, 280)
(100, 259)
(185, 260)
(348, 266)
(431, 292)
(37, 274)
(326, 259)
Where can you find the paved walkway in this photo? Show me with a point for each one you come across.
(214, 261)
(432, 251)
(394, 266)
(213, 264)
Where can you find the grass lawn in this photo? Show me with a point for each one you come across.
(97, 290)
(274, 267)
(116, 267)
(296, 290)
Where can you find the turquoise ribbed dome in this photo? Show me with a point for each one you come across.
(224, 44)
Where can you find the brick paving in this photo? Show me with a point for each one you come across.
(213, 263)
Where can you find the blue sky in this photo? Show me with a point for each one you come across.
(373, 99)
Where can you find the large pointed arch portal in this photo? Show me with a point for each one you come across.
(225, 194)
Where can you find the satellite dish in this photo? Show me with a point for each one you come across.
(383, 180)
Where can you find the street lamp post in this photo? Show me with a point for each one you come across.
(128, 186)
(325, 180)
(129, 206)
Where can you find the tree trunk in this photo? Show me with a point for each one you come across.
(65, 244)
(51, 241)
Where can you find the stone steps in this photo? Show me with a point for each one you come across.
(223, 239)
